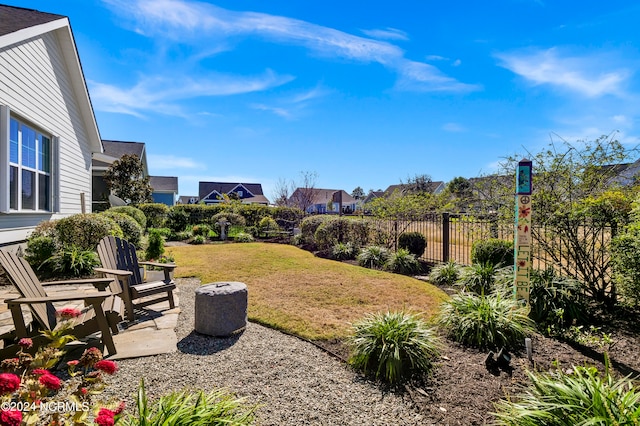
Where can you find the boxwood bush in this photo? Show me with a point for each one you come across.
(494, 251)
(156, 214)
(131, 230)
(134, 212)
(85, 230)
(414, 242)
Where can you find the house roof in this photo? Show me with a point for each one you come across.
(19, 24)
(206, 188)
(119, 148)
(323, 196)
(186, 199)
(14, 19)
(164, 183)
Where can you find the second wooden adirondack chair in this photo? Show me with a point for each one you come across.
(119, 259)
(103, 309)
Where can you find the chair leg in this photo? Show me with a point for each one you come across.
(103, 325)
(172, 303)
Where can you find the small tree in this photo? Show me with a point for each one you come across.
(125, 178)
(358, 193)
(304, 195)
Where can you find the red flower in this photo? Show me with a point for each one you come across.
(83, 391)
(50, 381)
(40, 371)
(107, 366)
(25, 343)
(68, 313)
(120, 408)
(10, 418)
(9, 383)
(105, 417)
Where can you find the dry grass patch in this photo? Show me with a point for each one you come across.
(292, 290)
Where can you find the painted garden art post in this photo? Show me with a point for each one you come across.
(522, 243)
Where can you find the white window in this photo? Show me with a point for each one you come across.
(29, 167)
(240, 193)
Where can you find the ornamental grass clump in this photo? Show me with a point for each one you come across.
(445, 274)
(485, 321)
(403, 262)
(583, 397)
(190, 408)
(374, 257)
(393, 346)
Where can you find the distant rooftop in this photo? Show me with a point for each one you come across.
(14, 19)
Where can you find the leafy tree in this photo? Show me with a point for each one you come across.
(418, 184)
(577, 204)
(125, 178)
(358, 193)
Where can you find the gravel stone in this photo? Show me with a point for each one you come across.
(292, 381)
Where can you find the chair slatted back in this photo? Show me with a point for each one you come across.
(116, 253)
(25, 281)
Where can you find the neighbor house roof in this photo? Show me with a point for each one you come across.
(115, 150)
(18, 24)
(164, 183)
(188, 199)
(323, 196)
(206, 188)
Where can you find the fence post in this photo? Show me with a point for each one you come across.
(445, 237)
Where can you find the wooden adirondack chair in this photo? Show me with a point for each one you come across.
(119, 259)
(103, 308)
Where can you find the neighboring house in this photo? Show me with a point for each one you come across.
(48, 130)
(188, 199)
(113, 150)
(248, 193)
(317, 200)
(165, 189)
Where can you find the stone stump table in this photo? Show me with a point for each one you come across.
(221, 308)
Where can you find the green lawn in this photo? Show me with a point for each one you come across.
(292, 290)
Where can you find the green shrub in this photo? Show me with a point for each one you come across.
(134, 212)
(403, 262)
(485, 321)
(374, 257)
(39, 249)
(478, 278)
(625, 257)
(72, 261)
(177, 220)
(493, 251)
(201, 230)
(267, 224)
(156, 214)
(155, 245)
(414, 242)
(330, 232)
(190, 408)
(582, 397)
(131, 230)
(393, 346)
(198, 239)
(445, 273)
(556, 302)
(243, 237)
(232, 218)
(165, 232)
(343, 251)
(181, 236)
(309, 225)
(85, 230)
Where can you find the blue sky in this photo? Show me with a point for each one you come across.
(363, 93)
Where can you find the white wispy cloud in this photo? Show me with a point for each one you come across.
(292, 106)
(282, 112)
(169, 162)
(195, 23)
(453, 127)
(387, 34)
(156, 93)
(590, 76)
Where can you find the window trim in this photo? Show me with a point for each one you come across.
(5, 167)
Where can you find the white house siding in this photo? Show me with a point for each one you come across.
(35, 84)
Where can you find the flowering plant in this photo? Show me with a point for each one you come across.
(32, 393)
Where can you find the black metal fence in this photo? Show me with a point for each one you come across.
(451, 237)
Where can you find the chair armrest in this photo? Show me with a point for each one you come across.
(99, 283)
(118, 272)
(60, 297)
(169, 266)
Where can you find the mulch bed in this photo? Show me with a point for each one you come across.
(463, 391)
